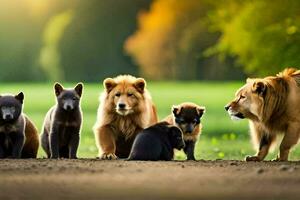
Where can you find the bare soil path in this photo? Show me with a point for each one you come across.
(95, 179)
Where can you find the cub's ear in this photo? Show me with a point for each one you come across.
(174, 130)
(109, 84)
(78, 88)
(176, 110)
(20, 97)
(140, 84)
(200, 110)
(58, 88)
(259, 87)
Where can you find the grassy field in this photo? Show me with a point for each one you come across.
(221, 138)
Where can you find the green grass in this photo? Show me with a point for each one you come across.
(221, 138)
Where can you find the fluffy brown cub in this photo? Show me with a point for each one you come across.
(125, 110)
(32, 142)
(187, 116)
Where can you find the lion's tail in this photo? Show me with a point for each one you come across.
(291, 72)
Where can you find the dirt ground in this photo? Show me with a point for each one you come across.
(96, 179)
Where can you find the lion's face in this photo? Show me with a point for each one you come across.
(125, 96)
(249, 101)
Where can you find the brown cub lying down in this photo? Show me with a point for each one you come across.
(125, 110)
(272, 106)
(31, 146)
(187, 117)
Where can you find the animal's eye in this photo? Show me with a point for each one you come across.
(130, 94)
(179, 121)
(242, 97)
(74, 98)
(13, 109)
(118, 94)
(195, 121)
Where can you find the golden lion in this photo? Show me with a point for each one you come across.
(272, 105)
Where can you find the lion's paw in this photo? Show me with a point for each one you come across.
(108, 156)
(252, 158)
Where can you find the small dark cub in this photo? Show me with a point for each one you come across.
(157, 143)
(61, 130)
(12, 126)
(187, 116)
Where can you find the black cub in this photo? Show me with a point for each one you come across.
(18, 135)
(61, 130)
(157, 143)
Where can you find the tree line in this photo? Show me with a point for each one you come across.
(158, 39)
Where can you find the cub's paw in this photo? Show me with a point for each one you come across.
(108, 156)
(252, 158)
(191, 159)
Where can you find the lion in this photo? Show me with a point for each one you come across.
(125, 109)
(272, 106)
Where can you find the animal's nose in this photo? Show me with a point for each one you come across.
(189, 128)
(122, 105)
(68, 106)
(8, 117)
(227, 107)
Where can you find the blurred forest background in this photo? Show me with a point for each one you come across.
(159, 39)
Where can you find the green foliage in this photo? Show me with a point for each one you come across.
(262, 35)
(92, 45)
(50, 57)
(166, 39)
(171, 38)
(18, 42)
(39, 42)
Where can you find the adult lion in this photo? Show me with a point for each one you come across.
(272, 105)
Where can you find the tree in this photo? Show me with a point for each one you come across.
(171, 40)
(49, 55)
(92, 45)
(262, 35)
(162, 41)
(21, 28)
(66, 40)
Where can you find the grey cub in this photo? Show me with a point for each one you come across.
(61, 130)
